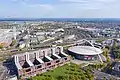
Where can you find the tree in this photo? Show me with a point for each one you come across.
(83, 78)
(91, 77)
(51, 77)
(104, 78)
(111, 79)
(1, 46)
(13, 43)
(47, 78)
(76, 78)
(60, 77)
(107, 47)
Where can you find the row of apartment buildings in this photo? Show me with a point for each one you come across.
(30, 64)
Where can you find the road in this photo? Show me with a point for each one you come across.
(3, 72)
(112, 58)
(101, 75)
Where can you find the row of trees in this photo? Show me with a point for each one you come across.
(93, 67)
(106, 51)
(116, 50)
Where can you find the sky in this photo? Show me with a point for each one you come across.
(59, 8)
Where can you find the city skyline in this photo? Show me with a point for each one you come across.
(60, 9)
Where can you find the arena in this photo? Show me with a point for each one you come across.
(85, 52)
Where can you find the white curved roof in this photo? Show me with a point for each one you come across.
(85, 50)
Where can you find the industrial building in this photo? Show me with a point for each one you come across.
(30, 64)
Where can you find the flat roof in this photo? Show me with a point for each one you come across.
(85, 50)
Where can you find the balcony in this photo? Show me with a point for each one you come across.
(27, 69)
(28, 72)
(49, 63)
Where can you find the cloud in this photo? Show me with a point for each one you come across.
(63, 8)
(46, 6)
(79, 1)
(20, 0)
(75, 1)
(91, 4)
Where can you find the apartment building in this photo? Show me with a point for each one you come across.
(30, 64)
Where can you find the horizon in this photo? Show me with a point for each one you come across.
(59, 18)
(63, 19)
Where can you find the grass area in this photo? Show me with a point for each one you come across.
(66, 72)
(60, 71)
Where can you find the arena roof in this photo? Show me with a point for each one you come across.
(85, 50)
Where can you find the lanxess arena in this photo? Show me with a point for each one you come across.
(85, 52)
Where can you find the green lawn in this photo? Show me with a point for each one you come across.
(66, 72)
(54, 73)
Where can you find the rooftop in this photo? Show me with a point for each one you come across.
(85, 50)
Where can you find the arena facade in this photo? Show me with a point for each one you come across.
(87, 53)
